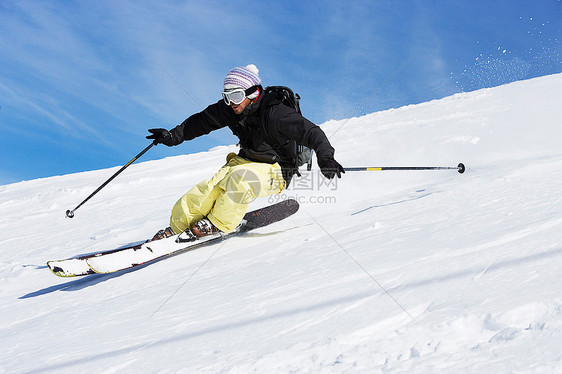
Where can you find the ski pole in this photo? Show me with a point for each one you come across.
(460, 168)
(70, 213)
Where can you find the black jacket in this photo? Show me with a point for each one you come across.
(269, 134)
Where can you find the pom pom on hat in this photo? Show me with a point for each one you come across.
(242, 77)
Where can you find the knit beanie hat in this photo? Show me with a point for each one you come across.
(243, 77)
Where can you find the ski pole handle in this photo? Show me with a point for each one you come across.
(70, 213)
(460, 168)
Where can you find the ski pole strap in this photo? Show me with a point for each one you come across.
(460, 168)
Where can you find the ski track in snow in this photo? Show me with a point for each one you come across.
(396, 272)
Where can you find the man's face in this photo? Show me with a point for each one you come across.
(239, 108)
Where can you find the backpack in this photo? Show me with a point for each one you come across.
(286, 96)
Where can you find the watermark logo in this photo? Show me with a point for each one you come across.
(243, 186)
(313, 181)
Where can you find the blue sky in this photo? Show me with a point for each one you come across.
(82, 81)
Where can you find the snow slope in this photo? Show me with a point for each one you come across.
(382, 272)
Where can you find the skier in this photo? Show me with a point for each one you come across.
(261, 167)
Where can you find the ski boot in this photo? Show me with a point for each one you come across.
(162, 234)
(204, 227)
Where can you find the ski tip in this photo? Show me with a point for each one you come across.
(56, 267)
(291, 202)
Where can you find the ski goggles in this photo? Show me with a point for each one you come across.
(237, 95)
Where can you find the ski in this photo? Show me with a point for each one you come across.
(77, 266)
(72, 267)
(141, 254)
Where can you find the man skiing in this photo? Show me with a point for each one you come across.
(268, 131)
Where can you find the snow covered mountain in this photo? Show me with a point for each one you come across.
(388, 271)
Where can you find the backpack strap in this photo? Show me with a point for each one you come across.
(275, 95)
(272, 96)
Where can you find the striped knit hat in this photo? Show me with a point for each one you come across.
(242, 77)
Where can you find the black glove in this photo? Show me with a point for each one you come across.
(330, 168)
(161, 136)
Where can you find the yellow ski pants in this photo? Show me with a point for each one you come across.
(225, 198)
